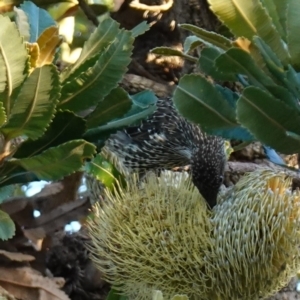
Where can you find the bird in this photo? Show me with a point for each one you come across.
(166, 140)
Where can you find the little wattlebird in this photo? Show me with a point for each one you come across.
(166, 140)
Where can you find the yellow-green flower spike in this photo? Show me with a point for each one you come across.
(155, 237)
(256, 233)
(160, 236)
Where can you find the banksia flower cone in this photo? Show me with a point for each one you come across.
(162, 237)
(152, 237)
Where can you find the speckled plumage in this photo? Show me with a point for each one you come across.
(166, 140)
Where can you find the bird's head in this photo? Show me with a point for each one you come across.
(208, 164)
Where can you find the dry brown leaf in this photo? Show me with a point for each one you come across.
(5, 295)
(17, 256)
(48, 41)
(26, 283)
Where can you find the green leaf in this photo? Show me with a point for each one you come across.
(114, 105)
(101, 133)
(172, 52)
(238, 61)
(249, 18)
(35, 104)
(55, 163)
(6, 192)
(269, 120)
(22, 23)
(286, 78)
(38, 18)
(7, 226)
(13, 58)
(281, 8)
(191, 43)
(292, 28)
(199, 101)
(66, 126)
(94, 84)
(207, 65)
(143, 99)
(14, 174)
(2, 114)
(98, 41)
(140, 29)
(113, 295)
(105, 172)
(209, 38)
(270, 6)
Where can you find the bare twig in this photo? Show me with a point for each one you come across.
(151, 8)
(88, 12)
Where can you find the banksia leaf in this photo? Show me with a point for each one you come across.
(205, 105)
(35, 105)
(209, 38)
(292, 27)
(273, 10)
(22, 23)
(96, 82)
(38, 18)
(61, 130)
(34, 53)
(113, 106)
(55, 163)
(48, 41)
(266, 118)
(104, 35)
(248, 19)
(13, 57)
(7, 226)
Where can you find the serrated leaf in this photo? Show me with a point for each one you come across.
(35, 104)
(281, 7)
(207, 65)
(2, 114)
(191, 43)
(101, 133)
(93, 85)
(172, 52)
(270, 6)
(140, 29)
(55, 163)
(144, 99)
(277, 69)
(113, 106)
(13, 57)
(269, 120)
(34, 53)
(22, 23)
(48, 42)
(238, 61)
(198, 101)
(66, 126)
(208, 38)
(6, 192)
(99, 40)
(249, 18)
(7, 226)
(104, 171)
(234, 133)
(39, 19)
(292, 28)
